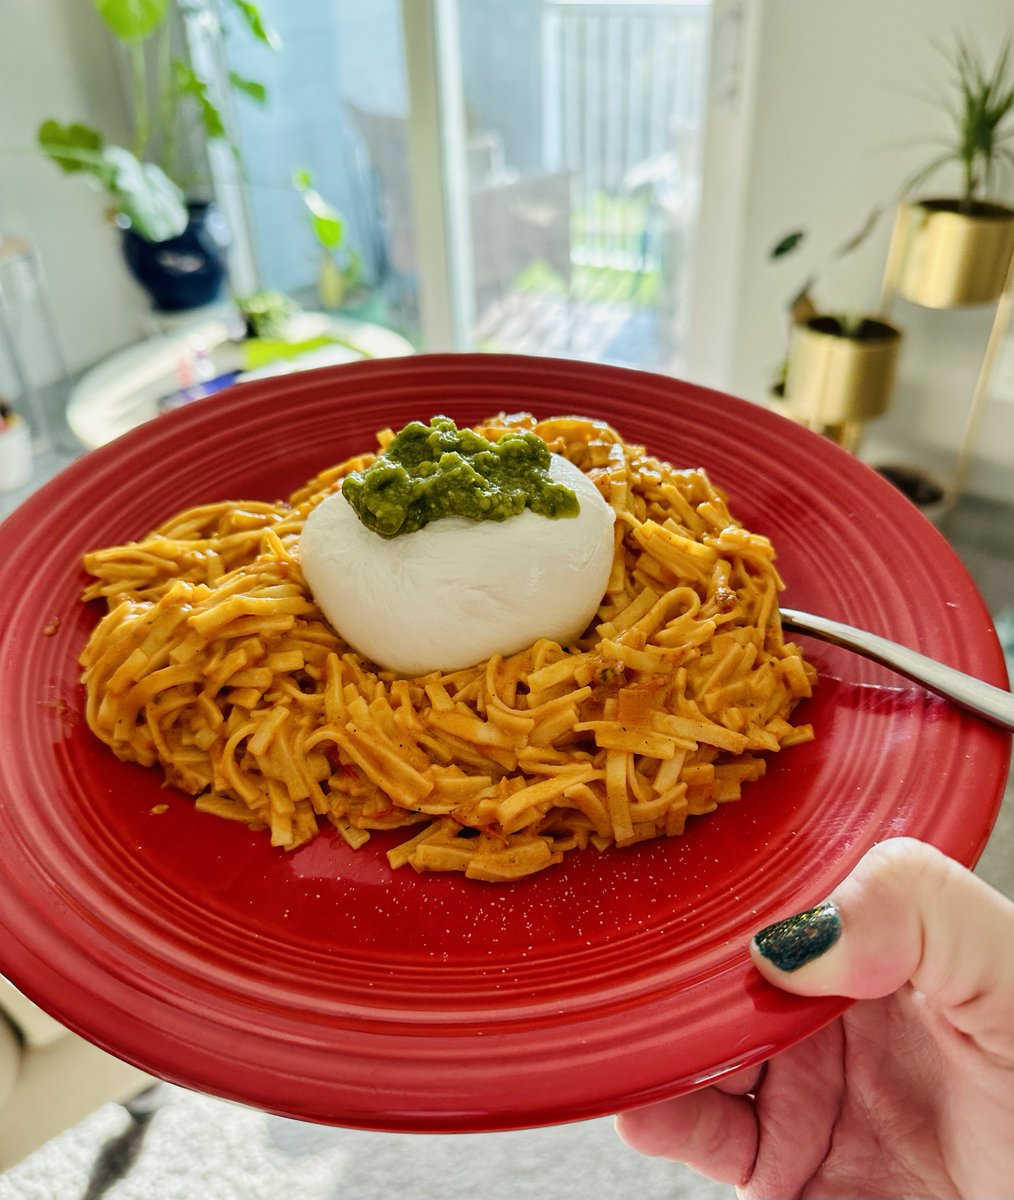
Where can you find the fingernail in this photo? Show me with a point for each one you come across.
(792, 943)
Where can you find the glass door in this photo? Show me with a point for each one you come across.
(584, 124)
(511, 175)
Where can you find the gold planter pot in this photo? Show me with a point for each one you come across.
(941, 257)
(837, 381)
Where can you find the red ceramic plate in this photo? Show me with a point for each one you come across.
(321, 985)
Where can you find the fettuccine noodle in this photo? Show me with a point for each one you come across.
(213, 661)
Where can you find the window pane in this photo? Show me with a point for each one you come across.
(584, 123)
(582, 133)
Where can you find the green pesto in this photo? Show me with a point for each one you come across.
(438, 470)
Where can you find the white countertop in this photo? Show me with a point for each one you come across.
(126, 389)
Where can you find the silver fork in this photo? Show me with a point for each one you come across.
(992, 703)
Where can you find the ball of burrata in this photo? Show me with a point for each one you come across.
(458, 591)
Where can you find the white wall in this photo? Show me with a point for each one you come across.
(56, 61)
(820, 110)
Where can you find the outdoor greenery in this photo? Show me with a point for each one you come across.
(171, 102)
(593, 284)
(614, 260)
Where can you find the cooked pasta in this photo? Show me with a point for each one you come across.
(213, 661)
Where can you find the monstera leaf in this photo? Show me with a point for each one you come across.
(132, 20)
(73, 147)
(146, 197)
(170, 97)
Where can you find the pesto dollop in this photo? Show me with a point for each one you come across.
(438, 470)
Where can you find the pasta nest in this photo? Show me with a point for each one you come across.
(213, 661)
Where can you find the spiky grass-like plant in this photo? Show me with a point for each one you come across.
(982, 112)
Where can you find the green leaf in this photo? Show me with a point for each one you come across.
(328, 223)
(146, 196)
(132, 20)
(249, 87)
(328, 226)
(260, 352)
(142, 192)
(861, 234)
(251, 16)
(72, 147)
(187, 83)
(921, 177)
(788, 243)
(267, 312)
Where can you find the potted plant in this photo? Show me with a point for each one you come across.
(276, 325)
(839, 370)
(173, 239)
(340, 269)
(956, 250)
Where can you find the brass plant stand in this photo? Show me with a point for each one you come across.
(938, 259)
(836, 383)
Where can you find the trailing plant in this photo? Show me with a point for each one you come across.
(981, 111)
(803, 307)
(274, 331)
(171, 100)
(340, 270)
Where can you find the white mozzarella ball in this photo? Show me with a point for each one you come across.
(457, 591)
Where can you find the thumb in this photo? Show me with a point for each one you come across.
(906, 914)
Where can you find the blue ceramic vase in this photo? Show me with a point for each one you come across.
(183, 272)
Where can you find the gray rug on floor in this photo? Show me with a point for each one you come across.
(203, 1149)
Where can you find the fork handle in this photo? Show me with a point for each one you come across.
(993, 703)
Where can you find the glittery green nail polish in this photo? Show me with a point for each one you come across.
(797, 940)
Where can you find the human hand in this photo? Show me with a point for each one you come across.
(911, 1091)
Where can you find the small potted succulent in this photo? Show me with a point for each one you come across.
(173, 238)
(953, 250)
